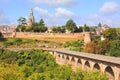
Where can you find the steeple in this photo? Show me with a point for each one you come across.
(31, 18)
(31, 12)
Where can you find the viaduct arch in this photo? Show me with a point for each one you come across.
(109, 65)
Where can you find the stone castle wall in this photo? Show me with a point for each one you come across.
(85, 35)
(30, 34)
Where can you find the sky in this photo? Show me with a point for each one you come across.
(58, 12)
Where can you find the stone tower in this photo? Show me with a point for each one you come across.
(87, 37)
(31, 18)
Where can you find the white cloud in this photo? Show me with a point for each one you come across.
(64, 13)
(109, 8)
(3, 18)
(42, 12)
(94, 19)
(54, 2)
(56, 18)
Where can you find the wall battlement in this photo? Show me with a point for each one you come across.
(85, 35)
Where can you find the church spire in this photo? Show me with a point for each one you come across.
(31, 18)
(31, 12)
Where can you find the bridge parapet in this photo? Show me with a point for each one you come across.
(87, 61)
(107, 64)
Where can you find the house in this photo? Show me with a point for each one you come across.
(99, 30)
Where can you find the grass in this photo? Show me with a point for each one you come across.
(56, 39)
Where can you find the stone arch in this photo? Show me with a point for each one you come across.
(96, 66)
(58, 57)
(87, 66)
(67, 59)
(73, 61)
(63, 57)
(79, 63)
(110, 73)
(119, 75)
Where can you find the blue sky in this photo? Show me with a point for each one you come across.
(57, 12)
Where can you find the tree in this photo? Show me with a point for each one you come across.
(114, 48)
(1, 35)
(71, 26)
(92, 29)
(86, 28)
(22, 21)
(99, 25)
(92, 48)
(80, 29)
(105, 46)
(110, 34)
(39, 27)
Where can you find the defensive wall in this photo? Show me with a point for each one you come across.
(85, 35)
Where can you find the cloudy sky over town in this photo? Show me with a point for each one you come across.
(57, 12)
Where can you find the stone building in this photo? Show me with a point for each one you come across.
(31, 19)
(99, 30)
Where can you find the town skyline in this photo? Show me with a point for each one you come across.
(58, 12)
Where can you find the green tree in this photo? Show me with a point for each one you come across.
(1, 35)
(21, 24)
(99, 25)
(86, 28)
(110, 34)
(114, 48)
(71, 26)
(22, 21)
(105, 46)
(92, 29)
(80, 29)
(41, 26)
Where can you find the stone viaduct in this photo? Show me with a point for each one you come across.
(87, 61)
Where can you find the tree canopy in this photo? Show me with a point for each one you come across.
(71, 26)
(110, 34)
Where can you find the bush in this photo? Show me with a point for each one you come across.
(114, 48)
(92, 48)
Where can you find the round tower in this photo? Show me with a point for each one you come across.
(87, 37)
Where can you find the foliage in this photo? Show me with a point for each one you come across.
(22, 21)
(99, 25)
(80, 29)
(104, 45)
(39, 27)
(71, 26)
(75, 45)
(110, 34)
(114, 48)
(58, 29)
(36, 27)
(39, 66)
(86, 28)
(92, 48)
(92, 29)
(1, 35)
